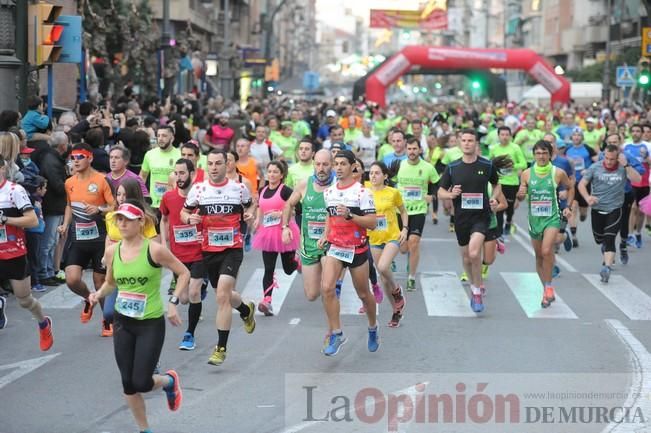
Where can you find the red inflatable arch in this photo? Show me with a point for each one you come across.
(465, 58)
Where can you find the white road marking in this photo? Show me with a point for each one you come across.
(528, 291)
(295, 321)
(22, 368)
(520, 236)
(253, 289)
(444, 295)
(625, 295)
(639, 393)
(349, 302)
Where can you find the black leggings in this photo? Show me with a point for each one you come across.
(372, 274)
(605, 227)
(510, 192)
(269, 259)
(629, 198)
(137, 345)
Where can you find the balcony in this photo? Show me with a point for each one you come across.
(578, 39)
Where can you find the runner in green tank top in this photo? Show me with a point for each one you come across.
(309, 193)
(540, 182)
(133, 268)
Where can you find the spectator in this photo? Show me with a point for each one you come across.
(9, 150)
(95, 138)
(8, 119)
(51, 162)
(138, 145)
(36, 188)
(35, 120)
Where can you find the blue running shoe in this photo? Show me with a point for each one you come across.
(605, 274)
(373, 339)
(556, 271)
(38, 288)
(476, 303)
(188, 342)
(567, 243)
(631, 240)
(247, 242)
(638, 241)
(335, 343)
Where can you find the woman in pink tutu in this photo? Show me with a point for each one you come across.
(268, 232)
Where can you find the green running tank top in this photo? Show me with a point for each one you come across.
(313, 219)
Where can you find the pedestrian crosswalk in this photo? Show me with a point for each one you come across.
(253, 289)
(633, 302)
(526, 288)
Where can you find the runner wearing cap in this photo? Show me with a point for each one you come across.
(592, 136)
(218, 204)
(350, 212)
(134, 268)
(89, 198)
(17, 213)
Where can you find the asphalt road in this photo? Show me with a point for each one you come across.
(593, 338)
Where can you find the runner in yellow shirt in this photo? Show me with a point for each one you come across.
(386, 238)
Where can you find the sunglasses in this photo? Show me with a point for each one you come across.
(78, 157)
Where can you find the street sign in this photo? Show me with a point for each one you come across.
(646, 41)
(310, 80)
(626, 76)
(71, 39)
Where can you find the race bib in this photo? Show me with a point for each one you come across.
(185, 234)
(3, 234)
(131, 304)
(86, 231)
(413, 193)
(345, 254)
(269, 220)
(160, 188)
(472, 200)
(315, 229)
(541, 208)
(579, 164)
(381, 224)
(220, 237)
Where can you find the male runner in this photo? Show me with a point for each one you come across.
(465, 182)
(218, 204)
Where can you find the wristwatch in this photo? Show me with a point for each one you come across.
(174, 300)
(349, 216)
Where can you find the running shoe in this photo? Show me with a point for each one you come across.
(451, 228)
(548, 297)
(463, 277)
(623, 256)
(218, 356)
(188, 342)
(362, 309)
(556, 271)
(38, 288)
(326, 341)
(334, 344)
(501, 247)
(395, 320)
(107, 329)
(247, 242)
(399, 299)
(568, 242)
(377, 292)
(3, 314)
(482, 289)
(605, 274)
(173, 391)
(45, 335)
(435, 220)
(484, 271)
(86, 312)
(373, 340)
(476, 303)
(265, 306)
(249, 321)
(638, 241)
(631, 240)
(575, 242)
(60, 277)
(411, 284)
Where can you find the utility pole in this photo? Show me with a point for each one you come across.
(606, 77)
(165, 48)
(268, 20)
(9, 63)
(225, 70)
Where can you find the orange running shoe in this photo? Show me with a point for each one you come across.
(107, 329)
(45, 335)
(548, 297)
(86, 313)
(173, 393)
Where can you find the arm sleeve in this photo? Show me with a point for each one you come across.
(145, 163)
(434, 176)
(21, 199)
(520, 163)
(398, 199)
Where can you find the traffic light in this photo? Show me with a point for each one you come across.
(644, 75)
(476, 85)
(44, 34)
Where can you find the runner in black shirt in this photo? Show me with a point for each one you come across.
(465, 182)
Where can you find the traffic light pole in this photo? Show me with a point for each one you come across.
(268, 23)
(9, 64)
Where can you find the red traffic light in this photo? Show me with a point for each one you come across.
(53, 36)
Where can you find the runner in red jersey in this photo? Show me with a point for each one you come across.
(185, 243)
(350, 212)
(17, 214)
(218, 204)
